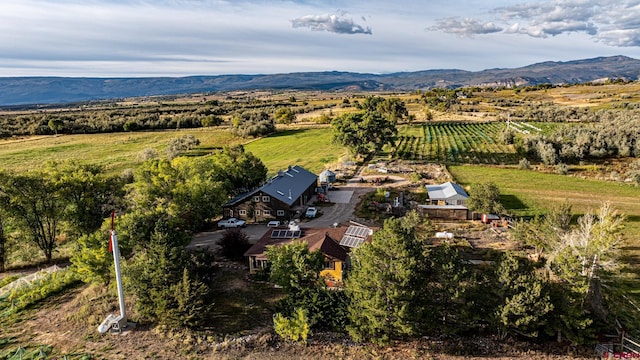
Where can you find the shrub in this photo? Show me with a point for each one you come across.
(295, 328)
(524, 164)
(50, 284)
(234, 243)
(147, 154)
(562, 169)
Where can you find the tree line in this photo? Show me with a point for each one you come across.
(153, 117)
(615, 134)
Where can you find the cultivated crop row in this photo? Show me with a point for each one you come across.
(455, 143)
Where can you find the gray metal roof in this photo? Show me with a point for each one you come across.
(445, 191)
(290, 184)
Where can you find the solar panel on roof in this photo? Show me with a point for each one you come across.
(358, 231)
(351, 241)
(285, 234)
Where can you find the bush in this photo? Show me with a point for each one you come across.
(234, 243)
(524, 164)
(562, 169)
(50, 284)
(296, 328)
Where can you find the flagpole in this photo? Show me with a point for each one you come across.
(116, 263)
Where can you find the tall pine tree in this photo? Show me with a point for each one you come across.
(383, 283)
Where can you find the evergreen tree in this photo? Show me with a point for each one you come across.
(445, 306)
(524, 298)
(382, 287)
(155, 270)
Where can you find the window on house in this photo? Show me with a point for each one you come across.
(280, 213)
(266, 199)
(331, 265)
(266, 212)
(257, 212)
(242, 212)
(256, 199)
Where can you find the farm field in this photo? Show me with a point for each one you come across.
(525, 193)
(461, 142)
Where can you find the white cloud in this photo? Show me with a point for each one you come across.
(336, 23)
(465, 27)
(610, 22)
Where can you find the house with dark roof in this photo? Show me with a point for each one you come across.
(329, 241)
(279, 198)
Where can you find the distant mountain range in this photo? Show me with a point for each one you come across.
(59, 90)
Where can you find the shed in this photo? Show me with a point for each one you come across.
(447, 194)
(327, 176)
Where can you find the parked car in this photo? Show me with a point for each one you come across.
(273, 223)
(231, 223)
(311, 212)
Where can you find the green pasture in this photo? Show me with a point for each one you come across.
(309, 148)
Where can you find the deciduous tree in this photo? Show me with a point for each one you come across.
(37, 205)
(485, 198)
(294, 267)
(364, 133)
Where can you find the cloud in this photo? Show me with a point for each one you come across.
(465, 27)
(610, 22)
(336, 23)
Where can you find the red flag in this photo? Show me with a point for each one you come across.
(111, 243)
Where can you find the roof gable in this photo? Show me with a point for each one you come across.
(290, 184)
(287, 186)
(322, 239)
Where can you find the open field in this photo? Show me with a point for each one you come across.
(310, 148)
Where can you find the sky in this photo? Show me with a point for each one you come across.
(143, 38)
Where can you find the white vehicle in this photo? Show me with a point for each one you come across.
(311, 212)
(273, 223)
(231, 223)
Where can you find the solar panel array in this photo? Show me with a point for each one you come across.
(351, 241)
(285, 234)
(358, 231)
(355, 236)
